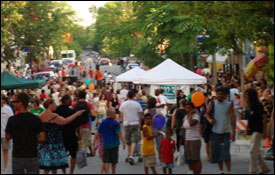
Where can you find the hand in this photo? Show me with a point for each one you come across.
(233, 137)
(93, 152)
(124, 146)
(212, 121)
(79, 113)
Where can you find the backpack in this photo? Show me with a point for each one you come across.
(84, 118)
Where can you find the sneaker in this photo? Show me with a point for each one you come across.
(4, 171)
(264, 172)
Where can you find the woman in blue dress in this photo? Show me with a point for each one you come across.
(52, 154)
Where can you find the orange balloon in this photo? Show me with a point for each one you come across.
(91, 87)
(198, 99)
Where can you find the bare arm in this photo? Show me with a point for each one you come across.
(146, 134)
(64, 121)
(42, 137)
(208, 114)
(233, 122)
(173, 120)
(139, 119)
(265, 125)
(191, 121)
(8, 137)
(122, 140)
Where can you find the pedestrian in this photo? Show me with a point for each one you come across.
(97, 144)
(98, 77)
(192, 144)
(85, 128)
(206, 129)
(131, 113)
(36, 109)
(6, 113)
(123, 93)
(148, 145)
(177, 121)
(102, 107)
(43, 94)
(238, 106)
(167, 150)
(161, 103)
(257, 124)
(180, 96)
(52, 154)
(91, 73)
(26, 130)
(110, 134)
(141, 102)
(115, 103)
(69, 131)
(223, 122)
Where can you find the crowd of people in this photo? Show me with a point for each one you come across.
(46, 123)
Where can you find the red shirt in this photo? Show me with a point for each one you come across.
(43, 95)
(91, 73)
(86, 125)
(63, 73)
(167, 150)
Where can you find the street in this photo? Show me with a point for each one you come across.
(240, 164)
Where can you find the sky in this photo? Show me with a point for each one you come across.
(82, 10)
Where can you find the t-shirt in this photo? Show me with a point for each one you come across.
(24, 128)
(192, 132)
(69, 129)
(37, 111)
(110, 129)
(148, 146)
(43, 96)
(232, 93)
(255, 119)
(161, 101)
(123, 95)
(90, 106)
(98, 75)
(55, 98)
(131, 110)
(237, 103)
(142, 103)
(6, 113)
(167, 150)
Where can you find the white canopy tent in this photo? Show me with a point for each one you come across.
(220, 59)
(130, 75)
(170, 73)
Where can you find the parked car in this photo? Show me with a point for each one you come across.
(105, 62)
(56, 63)
(131, 66)
(47, 75)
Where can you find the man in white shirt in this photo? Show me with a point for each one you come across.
(131, 113)
(55, 97)
(6, 113)
(161, 102)
(123, 93)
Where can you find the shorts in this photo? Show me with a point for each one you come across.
(132, 134)
(86, 140)
(99, 83)
(101, 117)
(150, 161)
(221, 144)
(167, 165)
(5, 144)
(71, 146)
(207, 135)
(193, 150)
(110, 155)
(25, 166)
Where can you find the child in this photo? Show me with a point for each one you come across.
(148, 145)
(98, 142)
(166, 153)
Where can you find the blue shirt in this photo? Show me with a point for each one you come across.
(222, 117)
(142, 103)
(109, 130)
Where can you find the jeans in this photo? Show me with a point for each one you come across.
(220, 144)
